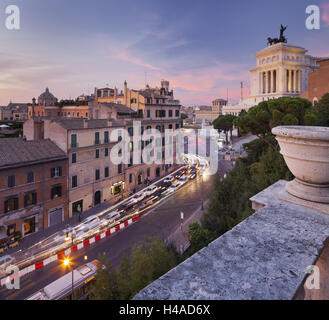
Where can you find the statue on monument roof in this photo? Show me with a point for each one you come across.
(271, 41)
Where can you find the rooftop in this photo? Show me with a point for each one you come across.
(76, 124)
(18, 152)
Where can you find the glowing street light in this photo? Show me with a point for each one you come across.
(66, 262)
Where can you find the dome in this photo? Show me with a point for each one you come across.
(47, 95)
(47, 98)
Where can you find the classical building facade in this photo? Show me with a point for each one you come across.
(282, 71)
(33, 186)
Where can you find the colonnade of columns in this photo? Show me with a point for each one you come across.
(270, 83)
(293, 80)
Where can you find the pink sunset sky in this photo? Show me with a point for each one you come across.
(204, 49)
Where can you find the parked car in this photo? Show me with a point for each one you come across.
(150, 190)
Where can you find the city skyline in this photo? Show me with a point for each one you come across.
(72, 51)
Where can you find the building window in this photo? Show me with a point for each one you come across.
(160, 113)
(170, 114)
(177, 113)
(11, 181)
(56, 191)
(97, 153)
(56, 172)
(11, 204)
(74, 158)
(106, 172)
(131, 131)
(29, 226)
(148, 172)
(119, 135)
(131, 146)
(11, 229)
(120, 168)
(106, 137)
(177, 125)
(130, 178)
(97, 174)
(170, 126)
(77, 207)
(148, 113)
(117, 188)
(97, 141)
(74, 181)
(30, 199)
(106, 152)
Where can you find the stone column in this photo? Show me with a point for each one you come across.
(291, 81)
(264, 82)
(272, 80)
(296, 81)
(260, 83)
(300, 81)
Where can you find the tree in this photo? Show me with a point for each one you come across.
(260, 119)
(322, 107)
(224, 123)
(199, 237)
(147, 262)
(183, 116)
(106, 283)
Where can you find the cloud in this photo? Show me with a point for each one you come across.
(325, 13)
(127, 57)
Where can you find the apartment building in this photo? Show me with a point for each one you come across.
(33, 186)
(93, 175)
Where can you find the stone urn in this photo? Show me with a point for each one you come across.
(306, 153)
